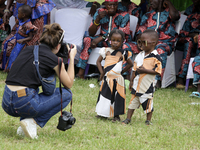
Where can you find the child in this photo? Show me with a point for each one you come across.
(24, 34)
(111, 100)
(147, 65)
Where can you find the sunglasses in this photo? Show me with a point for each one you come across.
(62, 36)
(145, 42)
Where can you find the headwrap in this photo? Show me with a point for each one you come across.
(111, 0)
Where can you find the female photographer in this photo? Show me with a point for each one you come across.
(21, 95)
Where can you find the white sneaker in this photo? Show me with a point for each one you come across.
(20, 132)
(29, 127)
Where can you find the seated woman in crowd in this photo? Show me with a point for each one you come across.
(107, 19)
(190, 29)
(162, 19)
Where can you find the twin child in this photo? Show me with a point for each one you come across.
(147, 64)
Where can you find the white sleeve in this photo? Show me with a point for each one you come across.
(102, 52)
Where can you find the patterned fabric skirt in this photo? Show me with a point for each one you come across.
(111, 99)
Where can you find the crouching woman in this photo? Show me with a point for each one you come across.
(21, 95)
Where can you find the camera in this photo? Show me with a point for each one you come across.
(63, 52)
(66, 121)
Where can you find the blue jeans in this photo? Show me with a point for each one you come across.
(40, 107)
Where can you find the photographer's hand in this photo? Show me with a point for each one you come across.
(72, 51)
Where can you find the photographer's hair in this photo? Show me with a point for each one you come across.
(152, 33)
(51, 35)
(118, 32)
(27, 10)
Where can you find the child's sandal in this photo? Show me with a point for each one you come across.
(126, 121)
(116, 119)
(147, 122)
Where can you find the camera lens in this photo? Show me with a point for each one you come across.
(72, 120)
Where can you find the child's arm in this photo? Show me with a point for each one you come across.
(131, 80)
(98, 62)
(30, 36)
(128, 66)
(142, 70)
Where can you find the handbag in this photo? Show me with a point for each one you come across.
(48, 84)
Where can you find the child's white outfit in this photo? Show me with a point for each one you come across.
(143, 84)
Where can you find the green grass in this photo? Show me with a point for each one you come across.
(176, 125)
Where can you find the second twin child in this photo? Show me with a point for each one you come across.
(147, 65)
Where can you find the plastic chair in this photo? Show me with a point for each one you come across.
(87, 9)
(52, 15)
(178, 53)
(95, 52)
(169, 75)
(74, 22)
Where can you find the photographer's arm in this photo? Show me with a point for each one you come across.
(67, 77)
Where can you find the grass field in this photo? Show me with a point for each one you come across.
(176, 125)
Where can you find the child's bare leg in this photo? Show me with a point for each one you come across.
(149, 115)
(129, 115)
(116, 118)
(148, 121)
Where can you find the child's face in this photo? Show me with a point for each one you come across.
(146, 43)
(116, 41)
(21, 15)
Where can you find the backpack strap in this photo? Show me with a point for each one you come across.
(36, 59)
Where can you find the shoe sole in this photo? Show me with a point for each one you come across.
(179, 86)
(24, 125)
(20, 133)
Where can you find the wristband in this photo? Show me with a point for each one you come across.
(96, 23)
(6, 10)
(103, 36)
